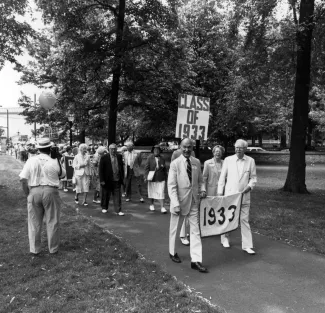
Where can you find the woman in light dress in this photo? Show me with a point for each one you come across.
(156, 187)
(82, 172)
(212, 171)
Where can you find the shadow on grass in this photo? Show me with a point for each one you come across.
(93, 271)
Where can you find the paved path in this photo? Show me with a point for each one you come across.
(279, 279)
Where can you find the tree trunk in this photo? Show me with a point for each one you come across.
(82, 136)
(283, 140)
(118, 58)
(253, 141)
(260, 140)
(296, 176)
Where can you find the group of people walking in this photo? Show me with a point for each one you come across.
(110, 171)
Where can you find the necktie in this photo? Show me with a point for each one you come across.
(189, 170)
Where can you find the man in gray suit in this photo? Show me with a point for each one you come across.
(184, 185)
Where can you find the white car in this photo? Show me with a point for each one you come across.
(255, 149)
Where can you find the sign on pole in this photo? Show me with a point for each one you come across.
(192, 117)
(68, 160)
(219, 215)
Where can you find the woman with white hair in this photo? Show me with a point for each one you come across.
(96, 182)
(81, 165)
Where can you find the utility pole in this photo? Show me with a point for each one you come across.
(35, 115)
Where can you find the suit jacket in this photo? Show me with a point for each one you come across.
(135, 162)
(151, 165)
(181, 192)
(79, 160)
(106, 171)
(231, 182)
(211, 174)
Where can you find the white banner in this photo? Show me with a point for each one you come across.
(219, 215)
(192, 117)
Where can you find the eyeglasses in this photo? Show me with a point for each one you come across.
(239, 148)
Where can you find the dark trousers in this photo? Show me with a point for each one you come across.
(115, 191)
(128, 183)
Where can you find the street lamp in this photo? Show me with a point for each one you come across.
(7, 123)
(71, 120)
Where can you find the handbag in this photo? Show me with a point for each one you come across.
(151, 175)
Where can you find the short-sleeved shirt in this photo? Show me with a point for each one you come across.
(42, 170)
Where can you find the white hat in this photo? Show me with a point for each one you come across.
(43, 143)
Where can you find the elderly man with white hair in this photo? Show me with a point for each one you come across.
(111, 173)
(238, 174)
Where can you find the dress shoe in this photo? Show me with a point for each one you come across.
(152, 208)
(184, 241)
(85, 204)
(127, 200)
(198, 267)
(249, 251)
(76, 200)
(104, 211)
(225, 244)
(65, 190)
(175, 258)
(163, 211)
(120, 213)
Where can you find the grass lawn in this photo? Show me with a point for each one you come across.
(93, 272)
(298, 220)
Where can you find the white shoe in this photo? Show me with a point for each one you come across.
(127, 200)
(226, 244)
(104, 211)
(120, 213)
(123, 195)
(163, 211)
(65, 190)
(141, 200)
(152, 208)
(95, 201)
(98, 201)
(249, 251)
(74, 189)
(184, 241)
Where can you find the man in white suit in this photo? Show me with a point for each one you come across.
(238, 174)
(184, 185)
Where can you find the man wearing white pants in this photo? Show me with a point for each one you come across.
(184, 185)
(238, 174)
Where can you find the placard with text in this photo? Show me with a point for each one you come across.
(68, 160)
(219, 215)
(192, 117)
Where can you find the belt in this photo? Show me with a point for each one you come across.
(43, 186)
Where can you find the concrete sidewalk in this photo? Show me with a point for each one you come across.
(278, 279)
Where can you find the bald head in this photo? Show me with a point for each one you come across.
(187, 147)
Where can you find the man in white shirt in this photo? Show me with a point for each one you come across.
(40, 180)
(238, 174)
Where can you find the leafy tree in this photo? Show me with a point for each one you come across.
(14, 34)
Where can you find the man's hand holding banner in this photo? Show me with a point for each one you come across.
(219, 215)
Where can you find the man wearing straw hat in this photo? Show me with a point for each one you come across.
(40, 181)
